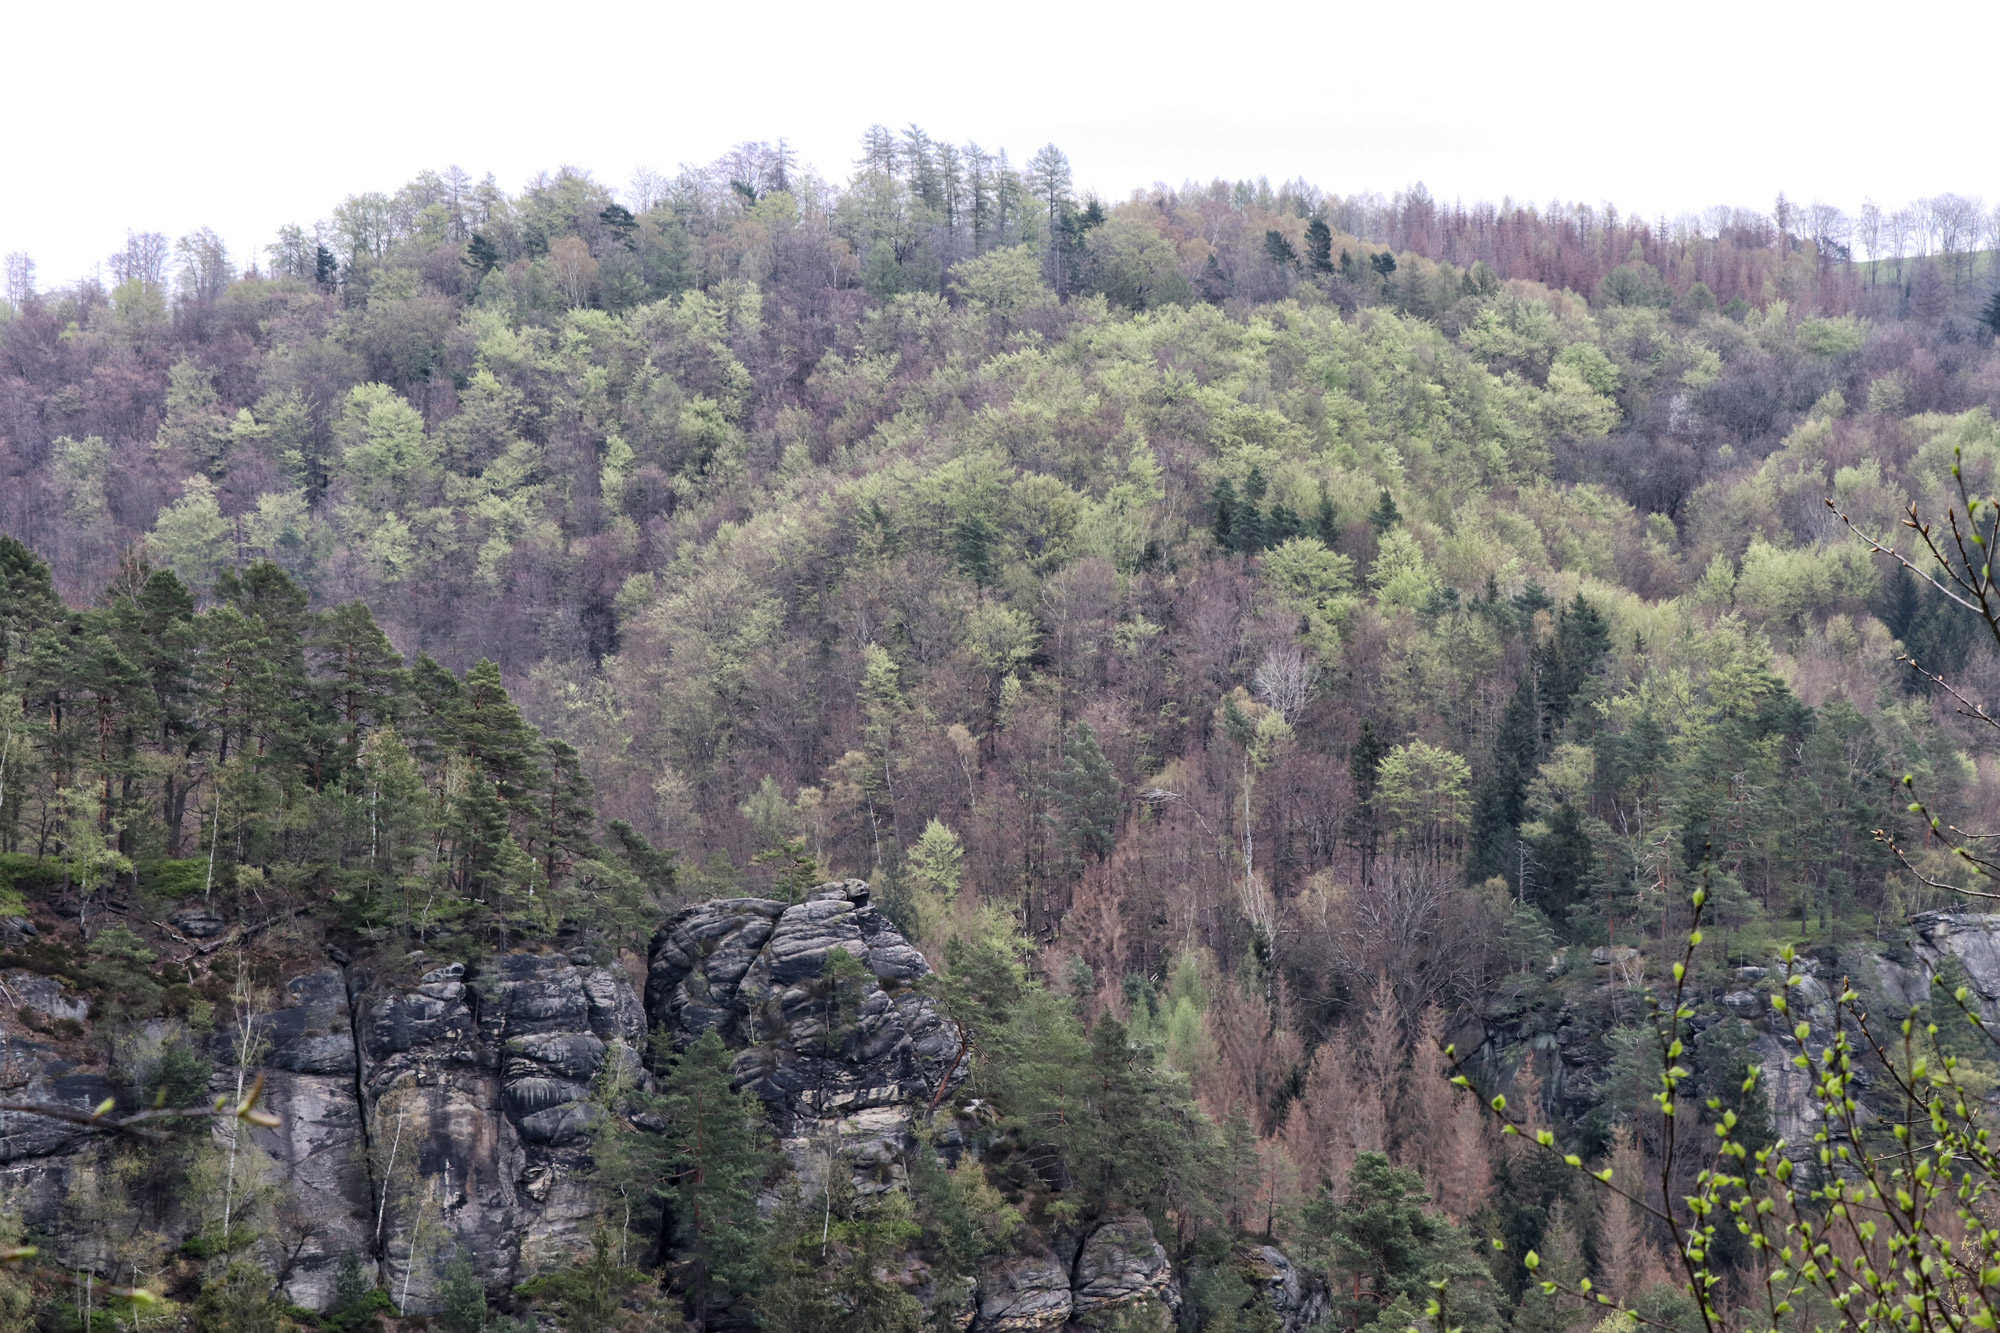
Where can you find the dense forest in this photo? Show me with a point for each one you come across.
(1246, 637)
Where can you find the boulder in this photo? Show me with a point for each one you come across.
(1121, 1263)
(1298, 1302)
(1023, 1293)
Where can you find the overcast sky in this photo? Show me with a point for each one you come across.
(170, 116)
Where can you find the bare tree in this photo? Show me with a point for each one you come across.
(1900, 229)
(1957, 221)
(203, 269)
(1868, 229)
(20, 278)
(143, 259)
(1284, 680)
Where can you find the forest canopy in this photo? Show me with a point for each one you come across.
(1288, 622)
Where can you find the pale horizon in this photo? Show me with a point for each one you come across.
(231, 122)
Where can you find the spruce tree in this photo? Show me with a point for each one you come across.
(1364, 767)
(709, 1163)
(1319, 246)
(1222, 513)
(1503, 793)
(1087, 798)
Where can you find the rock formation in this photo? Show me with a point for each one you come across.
(436, 1109)
(844, 1071)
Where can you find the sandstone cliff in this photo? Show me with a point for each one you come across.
(434, 1108)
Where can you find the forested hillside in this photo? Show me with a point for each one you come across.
(1240, 632)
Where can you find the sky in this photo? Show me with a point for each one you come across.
(244, 117)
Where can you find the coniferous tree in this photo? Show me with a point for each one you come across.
(705, 1169)
(1383, 1245)
(1502, 798)
(1364, 766)
(1319, 245)
(1087, 798)
(1279, 251)
(1223, 513)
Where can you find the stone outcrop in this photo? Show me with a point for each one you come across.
(449, 1109)
(844, 1067)
(1972, 940)
(1087, 1279)
(1298, 1302)
(1120, 1263)
(479, 1090)
(1023, 1293)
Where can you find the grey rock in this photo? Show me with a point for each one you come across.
(199, 923)
(1299, 1302)
(44, 995)
(1119, 1264)
(846, 1074)
(754, 969)
(1023, 1294)
(312, 1034)
(1973, 939)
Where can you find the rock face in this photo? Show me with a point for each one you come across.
(1298, 1302)
(1086, 1280)
(844, 1066)
(430, 1113)
(1972, 939)
(477, 1097)
(1023, 1293)
(1120, 1263)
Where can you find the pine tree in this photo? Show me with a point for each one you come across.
(1319, 246)
(1385, 515)
(28, 600)
(1501, 802)
(712, 1159)
(566, 819)
(360, 673)
(1087, 799)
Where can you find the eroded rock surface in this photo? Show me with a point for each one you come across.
(844, 1067)
(1298, 1302)
(481, 1087)
(1120, 1263)
(1023, 1293)
(1972, 939)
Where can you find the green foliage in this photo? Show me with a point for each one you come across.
(587, 1294)
(1087, 798)
(1382, 1245)
(356, 1298)
(461, 1296)
(238, 1300)
(694, 1183)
